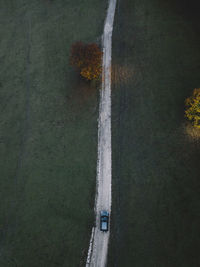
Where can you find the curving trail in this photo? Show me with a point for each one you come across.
(98, 247)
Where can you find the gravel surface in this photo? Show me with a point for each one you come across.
(99, 243)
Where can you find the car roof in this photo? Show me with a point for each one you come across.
(104, 226)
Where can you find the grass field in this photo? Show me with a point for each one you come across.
(48, 132)
(156, 185)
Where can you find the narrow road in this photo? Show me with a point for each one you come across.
(98, 248)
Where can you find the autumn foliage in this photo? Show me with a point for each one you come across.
(87, 59)
(192, 111)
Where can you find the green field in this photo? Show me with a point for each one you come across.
(48, 132)
(156, 169)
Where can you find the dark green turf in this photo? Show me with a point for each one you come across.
(48, 132)
(156, 165)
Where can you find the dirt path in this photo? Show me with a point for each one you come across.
(97, 253)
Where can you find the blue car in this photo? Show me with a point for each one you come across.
(104, 219)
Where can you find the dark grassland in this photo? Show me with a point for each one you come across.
(48, 132)
(156, 164)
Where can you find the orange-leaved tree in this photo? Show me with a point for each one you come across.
(192, 111)
(87, 59)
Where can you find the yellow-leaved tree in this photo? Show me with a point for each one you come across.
(192, 111)
(87, 59)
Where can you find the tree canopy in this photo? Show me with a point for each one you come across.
(87, 59)
(192, 111)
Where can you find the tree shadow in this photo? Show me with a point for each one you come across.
(83, 93)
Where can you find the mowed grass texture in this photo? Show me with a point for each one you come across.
(48, 132)
(156, 169)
